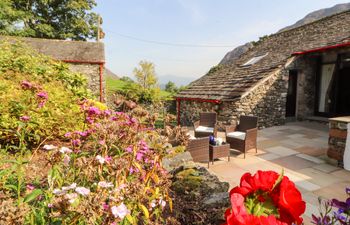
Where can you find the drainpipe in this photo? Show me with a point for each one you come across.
(101, 82)
(178, 101)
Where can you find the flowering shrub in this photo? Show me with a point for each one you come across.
(333, 211)
(38, 97)
(108, 173)
(266, 198)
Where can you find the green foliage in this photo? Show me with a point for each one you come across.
(59, 19)
(261, 39)
(146, 75)
(171, 87)
(127, 79)
(114, 150)
(43, 118)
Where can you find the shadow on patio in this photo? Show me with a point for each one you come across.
(299, 149)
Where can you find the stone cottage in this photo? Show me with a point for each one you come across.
(84, 57)
(295, 74)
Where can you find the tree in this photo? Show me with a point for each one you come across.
(146, 75)
(171, 87)
(53, 19)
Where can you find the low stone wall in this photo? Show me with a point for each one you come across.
(92, 73)
(337, 139)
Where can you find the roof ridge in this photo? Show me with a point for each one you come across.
(310, 23)
(48, 39)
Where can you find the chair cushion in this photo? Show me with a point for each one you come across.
(205, 129)
(237, 134)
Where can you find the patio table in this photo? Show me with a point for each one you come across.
(218, 151)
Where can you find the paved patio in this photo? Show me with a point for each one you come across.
(299, 148)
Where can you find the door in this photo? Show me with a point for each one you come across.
(292, 94)
(343, 95)
(326, 89)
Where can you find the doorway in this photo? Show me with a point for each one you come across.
(343, 95)
(292, 94)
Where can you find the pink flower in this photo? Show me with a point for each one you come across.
(66, 160)
(30, 187)
(25, 118)
(129, 149)
(120, 211)
(93, 111)
(162, 202)
(83, 191)
(26, 84)
(43, 95)
(108, 159)
(76, 142)
(139, 156)
(50, 205)
(68, 134)
(105, 206)
(102, 142)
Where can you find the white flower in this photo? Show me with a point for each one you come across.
(58, 192)
(105, 184)
(100, 159)
(83, 191)
(66, 160)
(120, 211)
(65, 150)
(70, 187)
(49, 147)
(162, 202)
(153, 203)
(71, 197)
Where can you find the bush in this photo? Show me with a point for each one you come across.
(109, 173)
(38, 97)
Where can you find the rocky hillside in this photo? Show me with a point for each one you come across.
(319, 14)
(231, 56)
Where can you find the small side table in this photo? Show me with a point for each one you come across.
(218, 151)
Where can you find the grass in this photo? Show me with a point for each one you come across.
(114, 85)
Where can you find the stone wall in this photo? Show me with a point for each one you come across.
(306, 67)
(267, 101)
(92, 73)
(337, 139)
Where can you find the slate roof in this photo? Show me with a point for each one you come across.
(65, 50)
(230, 82)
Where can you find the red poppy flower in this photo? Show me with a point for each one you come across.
(265, 198)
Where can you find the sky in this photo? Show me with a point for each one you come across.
(185, 38)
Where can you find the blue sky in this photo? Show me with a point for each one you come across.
(191, 22)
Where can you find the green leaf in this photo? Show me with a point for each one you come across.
(33, 195)
(130, 219)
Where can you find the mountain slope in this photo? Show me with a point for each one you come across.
(231, 56)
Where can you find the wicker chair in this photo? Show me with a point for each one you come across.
(206, 125)
(243, 137)
(199, 149)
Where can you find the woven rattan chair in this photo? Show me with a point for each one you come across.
(199, 149)
(206, 125)
(243, 137)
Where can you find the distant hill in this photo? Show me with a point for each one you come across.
(231, 56)
(319, 14)
(110, 74)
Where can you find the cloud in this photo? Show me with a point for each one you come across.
(193, 8)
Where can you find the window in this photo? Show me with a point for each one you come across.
(254, 60)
